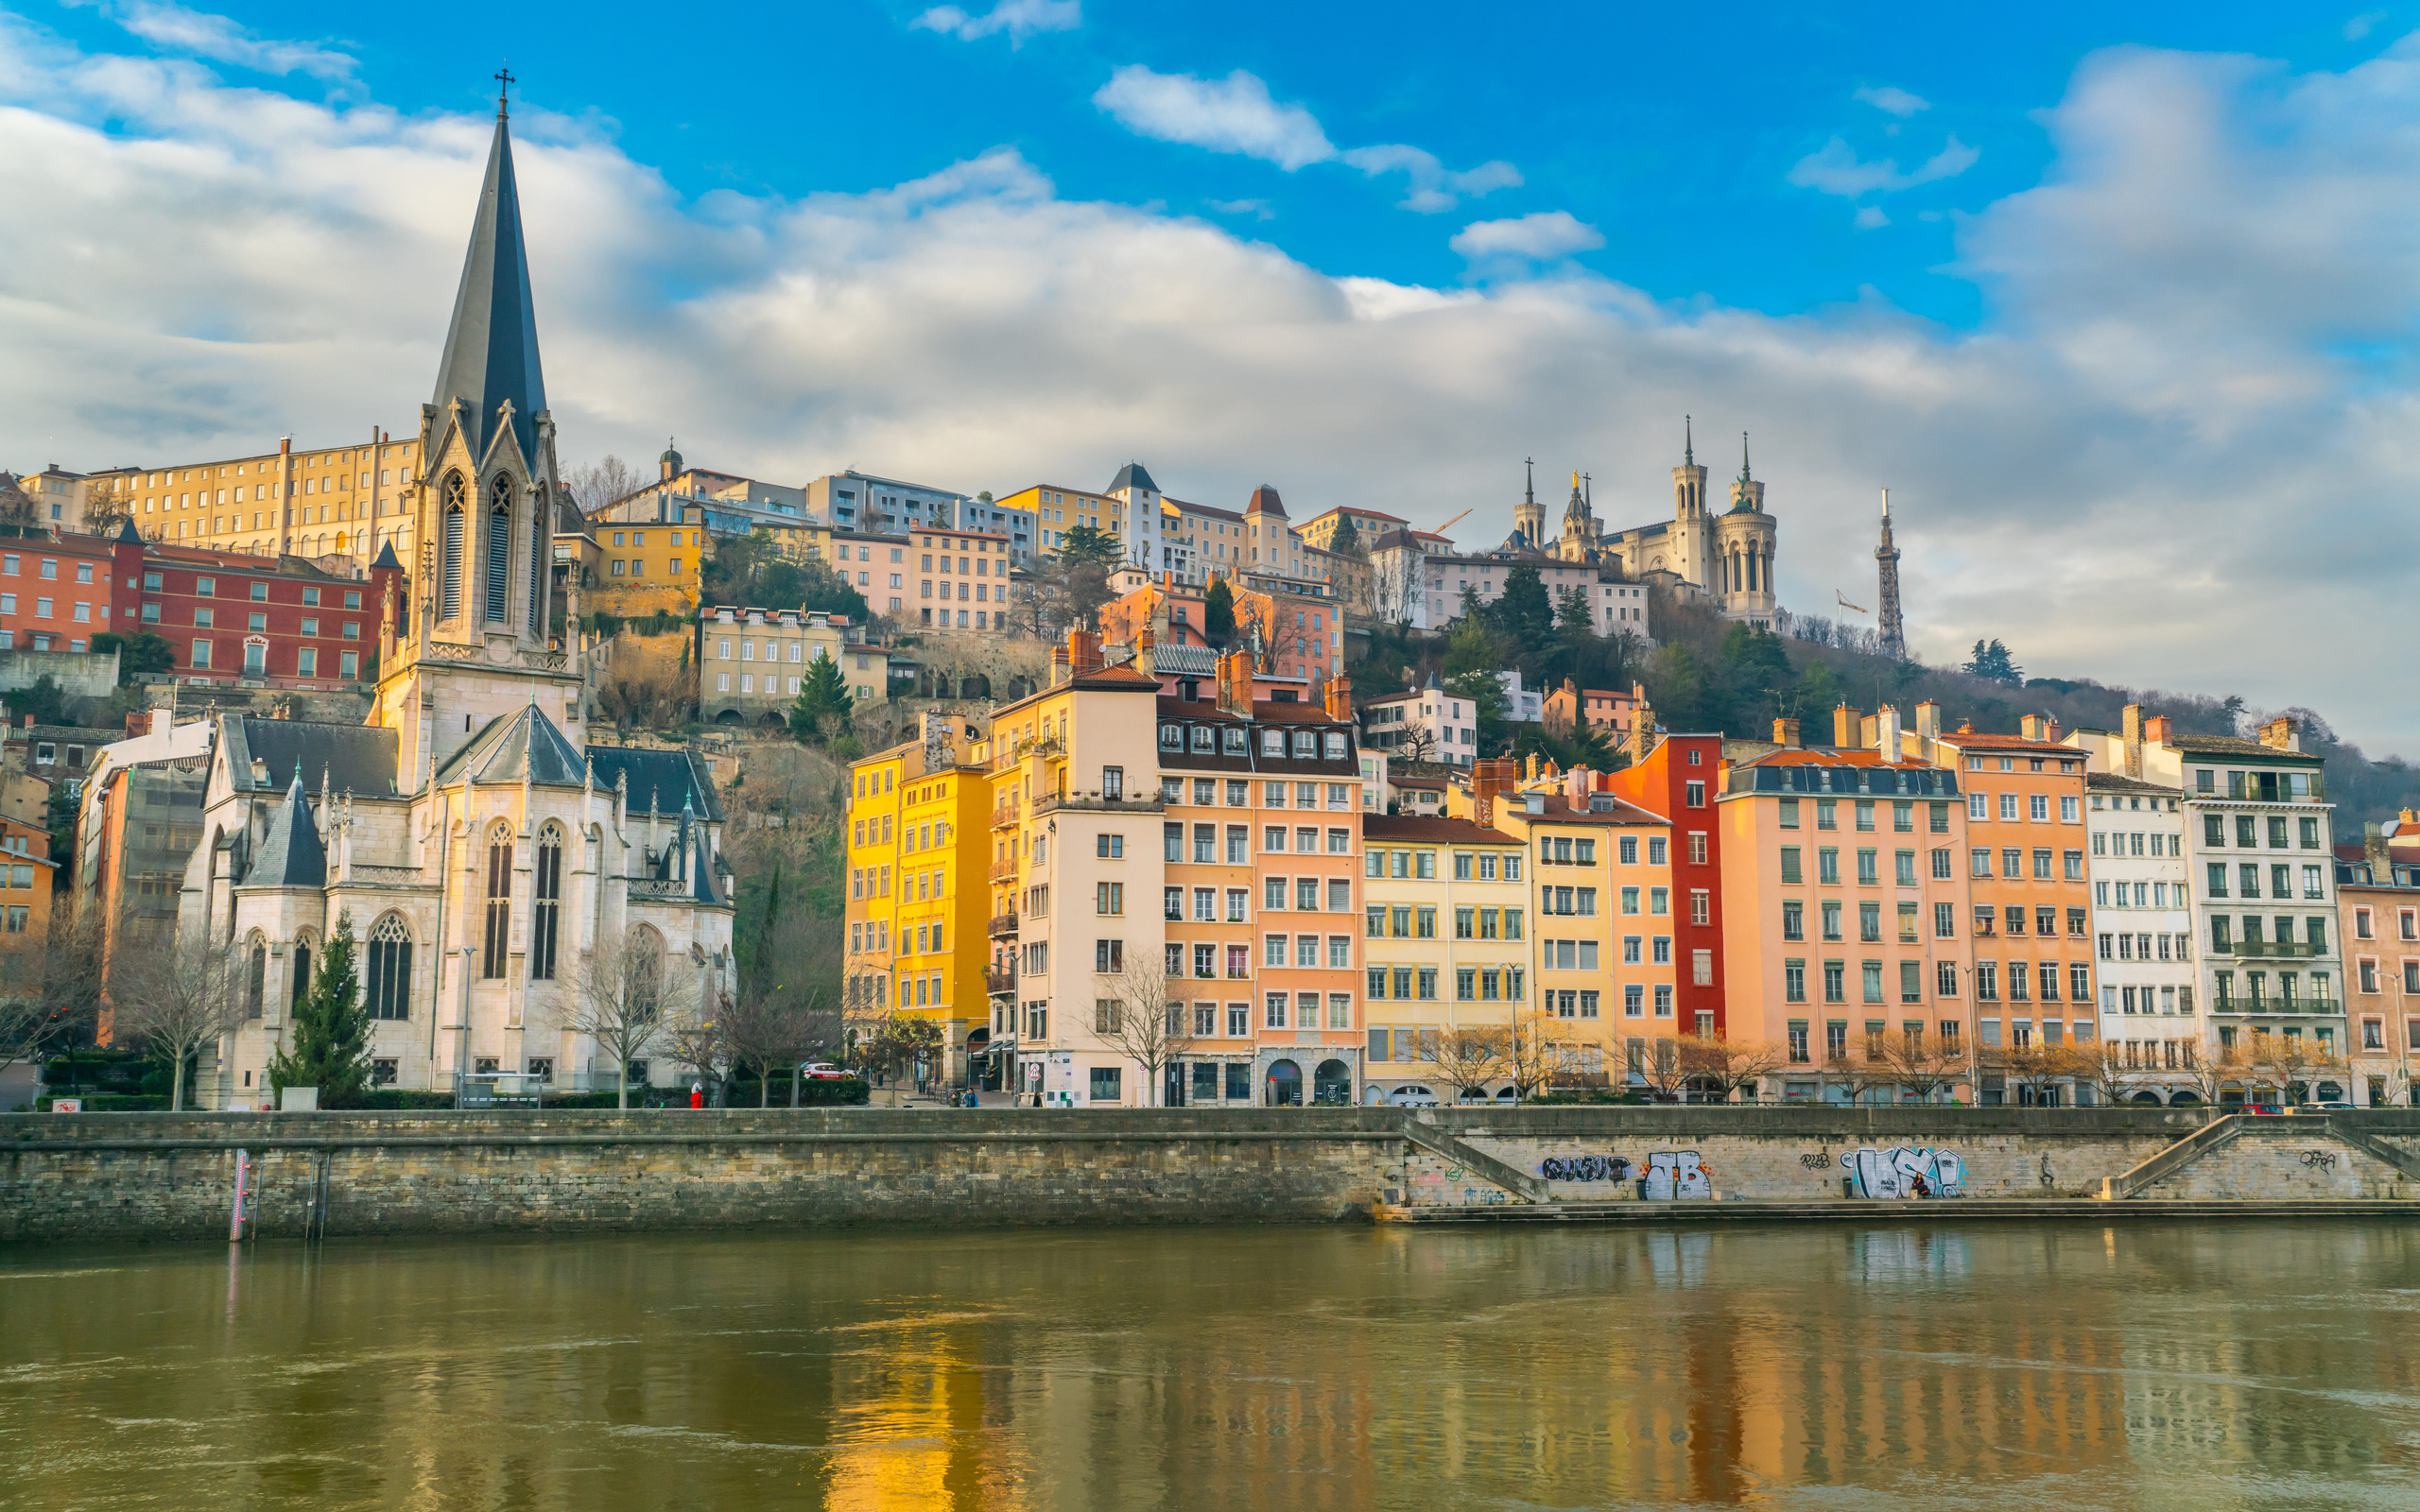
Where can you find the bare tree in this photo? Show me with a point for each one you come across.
(770, 1029)
(1664, 1068)
(17, 507)
(1534, 1049)
(2035, 1065)
(2292, 1062)
(2209, 1074)
(1394, 589)
(2100, 1064)
(1922, 1065)
(107, 507)
(700, 1041)
(639, 693)
(175, 999)
(1474, 1059)
(1732, 1067)
(1141, 1017)
(624, 1000)
(603, 481)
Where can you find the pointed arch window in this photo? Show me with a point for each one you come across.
(643, 973)
(391, 969)
(540, 543)
(545, 915)
(498, 938)
(301, 982)
(256, 975)
(449, 592)
(499, 544)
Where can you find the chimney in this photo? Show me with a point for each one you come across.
(2278, 734)
(1489, 776)
(1869, 731)
(2410, 817)
(1641, 738)
(1786, 733)
(1575, 789)
(1844, 726)
(1058, 665)
(1083, 653)
(1340, 699)
(2030, 726)
(1234, 684)
(2374, 848)
(2155, 730)
(1533, 767)
(1144, 659)
(2131, 739)
(1928, 720)
(1887, 736)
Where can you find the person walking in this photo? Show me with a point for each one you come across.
(697, 1095)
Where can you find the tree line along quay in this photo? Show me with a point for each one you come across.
(451, 774)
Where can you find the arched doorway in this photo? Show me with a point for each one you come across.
(2182, 1099)
(1284, 1084)
(982, 1067)
(1332, 1085)
(2151, 1098)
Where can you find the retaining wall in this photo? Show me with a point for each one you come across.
(157, 1176)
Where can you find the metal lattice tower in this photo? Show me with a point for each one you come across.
(1886, 557)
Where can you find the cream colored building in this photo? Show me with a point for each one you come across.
(1446, 945)
(319, 502)
(752, 661)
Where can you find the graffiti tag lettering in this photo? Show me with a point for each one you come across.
(1584, 1168)
(1673, 1173)
(1904, 1171)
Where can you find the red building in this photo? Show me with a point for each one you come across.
(230, 615)
(56, 590)
(1677, 782)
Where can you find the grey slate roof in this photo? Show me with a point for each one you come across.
(672, 777)
(358, 759)
(522, 744)
(491, 347)
(292, 855)
(1133, 475)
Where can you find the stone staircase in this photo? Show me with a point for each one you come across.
(2376, 1171)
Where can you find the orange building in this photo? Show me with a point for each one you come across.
(1845, 908)
(2031, 903)
(25, 871)
(1570, 706)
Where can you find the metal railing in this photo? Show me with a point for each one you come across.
(998, 982)
(2275, 950)
(2316, 1007)
(1122, 803)
(1004, 926)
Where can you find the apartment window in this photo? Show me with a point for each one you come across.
(1790, 864)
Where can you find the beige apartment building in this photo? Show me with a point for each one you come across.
(751, 662)
(343, 501)
(1445, 943)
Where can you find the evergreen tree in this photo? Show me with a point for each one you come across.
(1489, 705)
(1347, 541)
(1097, 547)
(1219, 611)
(1474, 647)
(1524, 613)
(1992, 662)
(1677, 687)
(1757, 671)
(331, 1029)
(820, 692)
(1572, 613)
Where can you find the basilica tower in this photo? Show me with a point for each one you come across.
(1528, 516)
(1741, 577)
(475, 642)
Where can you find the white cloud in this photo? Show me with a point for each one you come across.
(1020, 18)
(2178, 455)
(1892, 100)
(1231, 114)
(174, 28)
(1549, 233)
(2359, 27)
(1869, 217)
(1258, 209)
(1433, 186)
(1836, 169)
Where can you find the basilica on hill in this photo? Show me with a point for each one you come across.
(1726, 560)
(488, 855)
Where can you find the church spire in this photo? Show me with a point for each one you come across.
(1743, 458)
(1688, 443)
(491, 347)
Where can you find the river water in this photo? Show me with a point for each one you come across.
(1934, 1365)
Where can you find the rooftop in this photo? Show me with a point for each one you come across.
(1437, 828)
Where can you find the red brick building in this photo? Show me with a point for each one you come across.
(230, 615)
(57, 590)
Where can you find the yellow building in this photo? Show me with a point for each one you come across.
(1446, 943)
(319, 502)
(918, 830)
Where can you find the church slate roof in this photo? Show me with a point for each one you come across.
(491, 347)
(522, 744)
(357, 759)
(672, 778)
(292, 855)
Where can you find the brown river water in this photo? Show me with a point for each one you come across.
(1930, 1365)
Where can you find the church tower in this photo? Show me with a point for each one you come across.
(1688, 544)
(1528, 516)
(1579, 543)
(1886, 558)
(1740, 574)
(475, 641)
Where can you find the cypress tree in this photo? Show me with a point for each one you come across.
(331, 1029)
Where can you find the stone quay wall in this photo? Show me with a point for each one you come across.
(159, 1175)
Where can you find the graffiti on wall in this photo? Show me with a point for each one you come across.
(1586, 1168)
(1673, 1173)
(1905, 1171)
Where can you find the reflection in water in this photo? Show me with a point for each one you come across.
(2152, 1365)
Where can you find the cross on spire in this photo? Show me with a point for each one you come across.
(504, 82)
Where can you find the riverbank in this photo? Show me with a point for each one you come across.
(154, 1175)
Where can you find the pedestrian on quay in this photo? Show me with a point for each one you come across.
(697, 1095)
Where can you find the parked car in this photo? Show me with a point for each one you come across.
(2323, 1107)
(825, 1071)
(2271, 1110)
(1412, 1097)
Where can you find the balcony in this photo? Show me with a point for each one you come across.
(1005, 813)
(1004, 871)
(1094, 803)
(1000, 981)
(1004, 926)
(2277, 1008)
(2275, 951)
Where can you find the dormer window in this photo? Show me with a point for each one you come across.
(1205, 740)
(1238, 742)
(1335, 743)
(1172, 737)
(1272, 743)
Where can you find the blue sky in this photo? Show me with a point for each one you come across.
(2119, 305)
